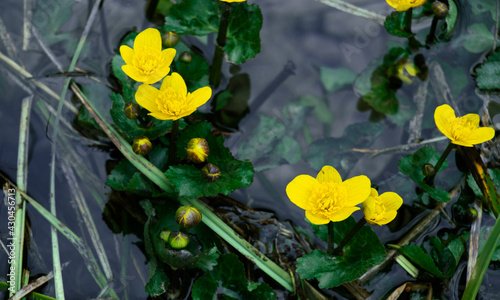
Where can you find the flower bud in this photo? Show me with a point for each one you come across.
(131, 110)
(440, 9)
(188, 216)
(185, 57)
(428, 170)
(472, 213)
(170, 39)
(178, 240)
(142, 145)
(165, 234)
(210, 172)
(197, 150)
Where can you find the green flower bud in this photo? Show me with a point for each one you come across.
(132, 110)
(188, 216)
(165, 234)
(142, 145)
(185, 57)
(472, 213)
(170, 39)
(428, 170)
(210, 172)
(197, 150)
(440, 9)
(178, 240)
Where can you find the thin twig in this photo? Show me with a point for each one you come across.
(354, 10)
(404, 147)
(46, 49)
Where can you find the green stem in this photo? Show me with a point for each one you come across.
(440, 162)
(173, 139)
(432, 32)
(331, 234)
(349, 236)
(408, 16)
(215, 69)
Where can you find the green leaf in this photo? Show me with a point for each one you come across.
(187, 178)
(49, 18)
(444, 257)
(243, 40)
(128, 88)
(201, 17)
(362, 252)
(322, 112)
(230, 274)
(451, 18)
(394, 24)
(192, 72)
(333, 79)
(131, 129)
(479, 39)
(412, 164)
(481, 6)
(100, 96)
(488, 75)
(126, 177)
(337, 151)
(262, 140)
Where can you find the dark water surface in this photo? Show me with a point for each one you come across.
(306, 33)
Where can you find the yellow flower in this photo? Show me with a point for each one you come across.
(172, 101)
(147, 62)
(411, 69)
(463, 131)
(404, 5)
(380, 210)
(326, 198)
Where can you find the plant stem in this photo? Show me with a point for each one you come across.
(432, 32)
(440, 162)
(349, 236)
(215, 69)
(173, 139)
(331, 234)
(408, 16)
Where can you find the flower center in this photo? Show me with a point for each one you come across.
(171, 102)
(327, 198)
(380, 210)
(461, 128)
(147, 60)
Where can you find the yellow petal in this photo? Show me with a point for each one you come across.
(373, 193)
(149, 38)
(176, 82)
(299, 190)
(369, 207)
(316, 219)
(411, 69)
(133, 72)
(358, 189)
(328, 174)
(156, 76)
(343, 214)
(391, 200)
(462, 143)
(389, 216)
(444, 116)
(168, 56)
(127, 54)
(200, 96)
(480, 135)
(473, 119)
(162, 116)
(146, 96)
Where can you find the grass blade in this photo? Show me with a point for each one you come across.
(19, 223)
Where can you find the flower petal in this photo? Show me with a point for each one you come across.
(473, 119)
(168, 56)
(358, 189)
(343, 214)
(373, 193)
(391, 201)
(127, 54)
(162, 116)
(156, 76)
(369, 207)
(149, 38)
(328, 174)
(389, 216)
(200, 96)
(146, 96)
(444, 116)
(480, 135)
(299, 190)
(316, 219)
(176, 82)
(133, 72)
